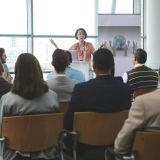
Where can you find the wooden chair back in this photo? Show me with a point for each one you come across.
(98, 129)
(146, 145)
(64, 106)
(31, 133)
(141, 91)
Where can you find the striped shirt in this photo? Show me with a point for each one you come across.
(142, 77)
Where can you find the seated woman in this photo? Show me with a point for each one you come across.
(4, 85)
(61, 84)
(29, 95)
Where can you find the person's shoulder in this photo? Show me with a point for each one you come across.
(83, 85)
(51, 92)
(88, 43)
(73, 70)
(73, 46)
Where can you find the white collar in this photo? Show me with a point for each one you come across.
(138, 65)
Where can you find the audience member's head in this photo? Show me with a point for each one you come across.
(140, 56)
(83, 32)
(60, 60)
(103, 62)
(3, 56)
(28, 81)
(1, 68)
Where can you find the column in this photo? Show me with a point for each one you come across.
(152, 32)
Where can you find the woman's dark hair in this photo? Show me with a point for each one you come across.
(81, 29)
(60, 60)
(140, 55)
(104, 60)
(28, 81)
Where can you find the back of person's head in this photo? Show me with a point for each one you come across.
(1, 68)
(69, 56)
(2, 50)
(60, 60)
(103, 60)
(28, 81)
(140, 56)
(80, 29)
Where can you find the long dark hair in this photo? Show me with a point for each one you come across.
(28, 81)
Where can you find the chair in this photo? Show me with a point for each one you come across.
(146, 145)
(98, 129)
(64, 106)
(141, 91)
(31, 133)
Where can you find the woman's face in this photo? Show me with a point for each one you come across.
(80, 35)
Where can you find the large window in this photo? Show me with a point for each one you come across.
(13, 17)
(27, 26)
(119, 7)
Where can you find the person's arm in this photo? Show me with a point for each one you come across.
(135, 121)
(53, 42)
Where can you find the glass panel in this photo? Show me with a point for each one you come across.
(115, 6)
(137, 6)
(43, 49)
(124, 7)
(13, 47)
(105, 6)
(13, 16)
(61, 17)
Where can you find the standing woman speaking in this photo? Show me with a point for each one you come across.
(84, 49)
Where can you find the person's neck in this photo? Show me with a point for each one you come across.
(81, 43)
(102, 74)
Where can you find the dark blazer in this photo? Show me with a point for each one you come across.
(4, 86)
(102, 94)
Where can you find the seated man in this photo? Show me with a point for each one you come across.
(61, 84)
(141, 76)
(6, 73)
(70, 72)
(144, 114)
(105, 93)
(4, 85)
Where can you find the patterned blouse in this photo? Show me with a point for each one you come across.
(85, 53)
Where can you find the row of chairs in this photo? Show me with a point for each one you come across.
(31, 133)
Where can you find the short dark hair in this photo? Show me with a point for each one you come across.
(81, 29)
(2, 50)
(140, 55)
(28, 82)
(69, 56)
(104, 60)
(60, 60)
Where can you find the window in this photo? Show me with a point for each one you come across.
(13, 16)
(28, 25)
(119, 7)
